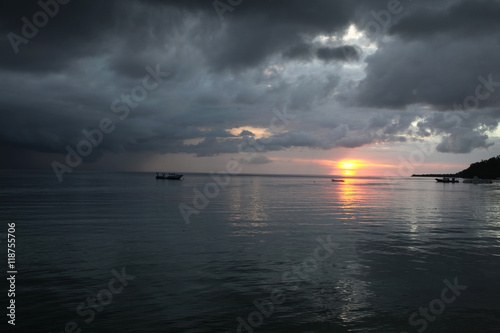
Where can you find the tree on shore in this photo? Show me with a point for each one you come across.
(486, 169)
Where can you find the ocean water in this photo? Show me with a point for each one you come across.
(112, 252)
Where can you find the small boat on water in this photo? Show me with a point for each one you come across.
(476, 180)
(170, 175)
(338, 180)
(447, 180)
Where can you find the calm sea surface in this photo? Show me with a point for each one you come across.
(107, 252)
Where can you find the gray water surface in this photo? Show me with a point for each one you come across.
(388, 247)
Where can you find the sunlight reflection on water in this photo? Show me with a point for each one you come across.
(396, 240)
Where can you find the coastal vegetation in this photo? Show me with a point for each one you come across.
(486, 169)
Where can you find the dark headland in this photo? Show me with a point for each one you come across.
(486, 169)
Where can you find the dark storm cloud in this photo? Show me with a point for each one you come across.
(256, 30)
(232, 73)
(436, 55)
(260, 159)
(74, 31)
(309, 88)
(341, 53)
(440, 72)
(463, 141)
(461, 132)
(305, 51)
(246, 133)
(300, 51)
(465, 18)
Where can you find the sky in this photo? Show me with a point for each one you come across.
(329, 87)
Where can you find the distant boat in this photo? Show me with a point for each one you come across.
(338, 180)
(170, 175)
(447, 180)
(476, 180)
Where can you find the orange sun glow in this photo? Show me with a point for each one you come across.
(352, 167)
(348, 167)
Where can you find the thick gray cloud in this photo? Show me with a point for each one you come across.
(341, 53)
(263, 56)
(440, 72)
(463, 141)
(436, 55)
(75, 31)
(461, 18)
(260, 159)
(461, 132)
(301, 51)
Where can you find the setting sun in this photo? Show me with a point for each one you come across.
(348, 167)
